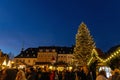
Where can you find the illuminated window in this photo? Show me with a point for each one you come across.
(53, 50)
(47, 50)
(41, 50)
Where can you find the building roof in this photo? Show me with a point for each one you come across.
(58, 49)
(112, 49)
(99, 51)
(28, 53)
(32, 52)
(64, 50)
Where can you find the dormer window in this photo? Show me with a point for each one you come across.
(47, 50)
(71, 52)
(59, 51)
(21, 55)
(53, 50)
(34, 55)
(41, 50)
(27, 55)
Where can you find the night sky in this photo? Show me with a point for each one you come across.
(34, 23)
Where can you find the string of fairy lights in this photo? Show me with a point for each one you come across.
(95, 54)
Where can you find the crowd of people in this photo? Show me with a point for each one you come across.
(47, 74)
(115, 75)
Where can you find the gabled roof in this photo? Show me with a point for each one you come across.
(32, 52)
(28, 53)
(100, 52)
(58, 49)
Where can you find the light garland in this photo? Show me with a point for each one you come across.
(95, 54)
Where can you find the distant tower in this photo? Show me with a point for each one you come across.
(22, 46)
(22, 49)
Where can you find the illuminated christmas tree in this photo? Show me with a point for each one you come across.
(84, 45)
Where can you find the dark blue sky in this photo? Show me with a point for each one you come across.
(55, 22)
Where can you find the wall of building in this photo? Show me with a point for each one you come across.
(28, 61)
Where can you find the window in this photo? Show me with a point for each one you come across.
(21, 55)
(27, 55)
(23, 60)
(29, 61)
(47, 50)
(41, 50)
(26, 51)
(34, 61)
(34, 55)
(17, 60)
(59, 51)
(53, 50)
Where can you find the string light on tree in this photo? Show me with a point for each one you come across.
(84, 45)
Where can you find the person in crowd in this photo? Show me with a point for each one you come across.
(65, 74)
(45, 74)
(56, 75)
(39, 74)
(52, 75)
(31, 75)
(118, 78)
(101, 75)
(60, 75)
(85, 74)
(20, 75)
(115, 75)
(72, 75)
(3, 74)
(11, 74)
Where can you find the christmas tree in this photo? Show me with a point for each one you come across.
(84, 45)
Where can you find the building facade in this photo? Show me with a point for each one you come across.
(45, 55)
(26, 57)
